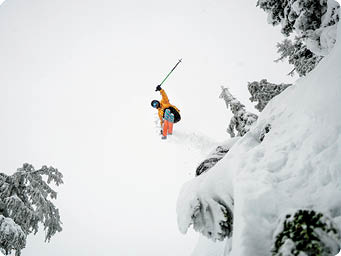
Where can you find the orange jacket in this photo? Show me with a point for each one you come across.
(164, 104)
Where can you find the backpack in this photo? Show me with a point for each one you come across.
(173, 111)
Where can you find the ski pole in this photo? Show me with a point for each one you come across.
(170, 72)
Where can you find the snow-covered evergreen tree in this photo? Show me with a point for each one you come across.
(298, 55)
(24, 203)
(306, 232)
(263, 91)
(314, 24)
(241, 120)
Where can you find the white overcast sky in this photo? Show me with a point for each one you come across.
(76, 81)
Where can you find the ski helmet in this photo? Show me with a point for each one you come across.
(155, 104)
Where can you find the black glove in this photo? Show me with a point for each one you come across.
(158, 88)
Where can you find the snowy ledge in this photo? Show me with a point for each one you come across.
(296, 166)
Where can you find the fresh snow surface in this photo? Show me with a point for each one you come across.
(298, 165)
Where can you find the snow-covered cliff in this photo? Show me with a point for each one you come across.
(296, 166)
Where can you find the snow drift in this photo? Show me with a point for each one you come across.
(296, 166)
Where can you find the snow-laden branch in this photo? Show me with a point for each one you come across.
(25, 200)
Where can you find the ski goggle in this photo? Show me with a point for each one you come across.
(155, 104)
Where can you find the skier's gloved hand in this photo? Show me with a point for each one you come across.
(158, 88)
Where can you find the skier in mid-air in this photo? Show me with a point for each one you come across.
(168, 113)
